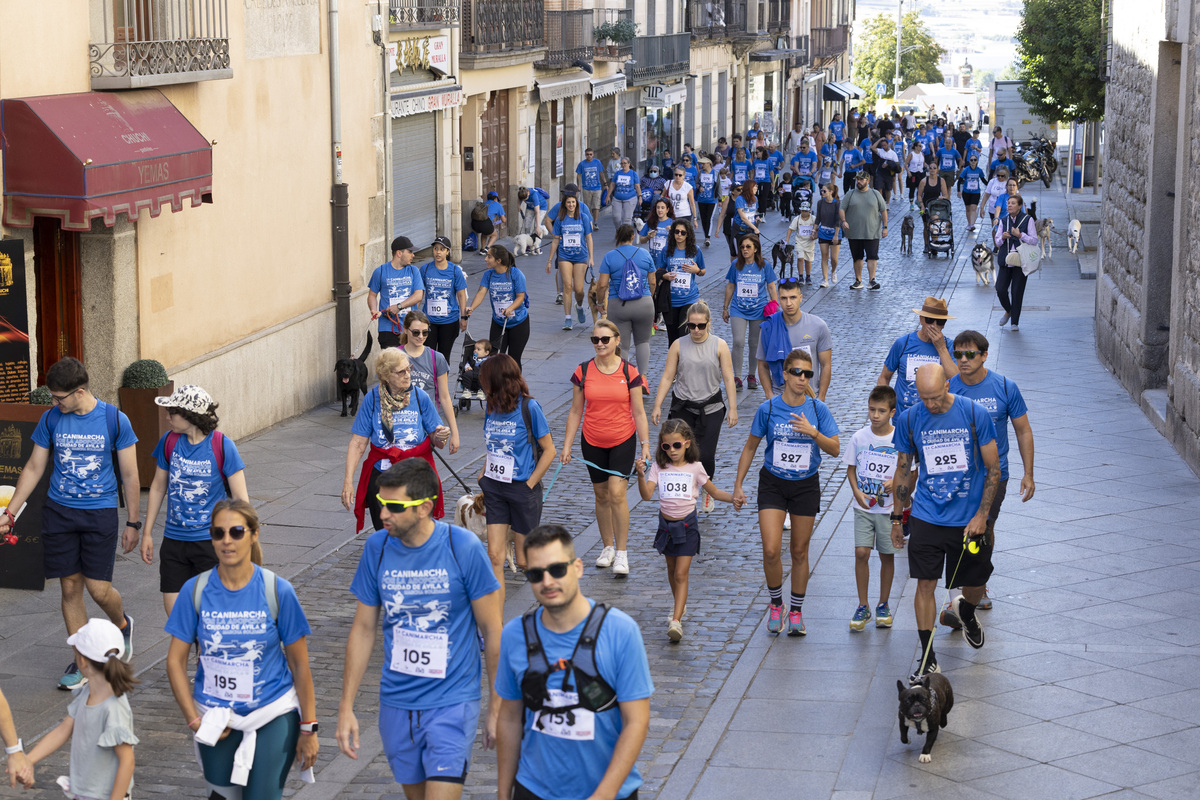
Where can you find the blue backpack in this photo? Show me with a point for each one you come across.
(633, 282)
(471, 242)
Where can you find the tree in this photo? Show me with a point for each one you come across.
(875, 54)
(1061, 48)
(983, 79)
(1013, 72)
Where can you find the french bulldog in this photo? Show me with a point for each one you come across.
(925, 707)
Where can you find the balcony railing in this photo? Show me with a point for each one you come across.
(408, 14)
(500, 26)
(774, 15)
(715, 19)
(800, 43)
(160, 42)
(660, 57)
(568, 37)
(828, 42)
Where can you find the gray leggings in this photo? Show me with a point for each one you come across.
(623, 210)
(739, 326)
(634, 319)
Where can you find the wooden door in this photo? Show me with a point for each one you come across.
(493, 159)
(59, 296)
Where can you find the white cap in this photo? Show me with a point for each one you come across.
(190, 398)
(98, 640)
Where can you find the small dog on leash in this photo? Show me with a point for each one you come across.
(782, 255)
(907, 227)
(470, 513)
(352, 378)
(526, 245)
(1045, 227)
(983, 263)
(593, 297)
(1074, 234)
(925, 707)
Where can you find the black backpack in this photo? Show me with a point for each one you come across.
(595, 693)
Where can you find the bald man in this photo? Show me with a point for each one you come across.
(954, 439)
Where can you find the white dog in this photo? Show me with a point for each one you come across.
(1045, 227)
(1074, 232)
(469, 513)
(526, 245)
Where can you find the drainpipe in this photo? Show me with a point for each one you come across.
(339, 197)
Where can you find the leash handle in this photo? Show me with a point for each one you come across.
(553, 478)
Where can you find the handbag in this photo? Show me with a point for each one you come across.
(1030, 258)
(1013, 259)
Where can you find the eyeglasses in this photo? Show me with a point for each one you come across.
(58, 398)
(967, 354)
(697, 326)
(941, 323)
(800, 373)
(556, 570)
(669, 446)
(404, 371)
(421, 332)
(400, 506)
(601, 339)
(237, 533)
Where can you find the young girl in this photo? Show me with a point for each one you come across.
(99, 722)
(679, 476)
(804, 225)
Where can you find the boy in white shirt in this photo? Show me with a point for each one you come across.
(804, 225)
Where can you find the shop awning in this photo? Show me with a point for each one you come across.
(604, 87)
(99, 154)
(840, 91)
(573, 86)
(775, 54)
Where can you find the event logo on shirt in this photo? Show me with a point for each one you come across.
(79, 457)
(190, 483)
(406, 428)
(418, 614)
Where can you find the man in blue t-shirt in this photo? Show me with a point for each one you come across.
(954, 440)
(543, 755)
(592, 182)
(394, 288)
(79, 530)
(433, 586)
(926, 345)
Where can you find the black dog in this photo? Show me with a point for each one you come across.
(781, 254)
(925, 706)
(906, 235)
(352, 378)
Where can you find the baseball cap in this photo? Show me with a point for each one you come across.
(444, 241)
(190, 398)
(402, 243)
(98, 640)
(572, 188)
(493, 196)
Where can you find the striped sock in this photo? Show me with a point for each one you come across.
(776, 593)
(797, 602)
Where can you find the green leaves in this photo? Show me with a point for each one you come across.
(1060, 51)
(875, 55)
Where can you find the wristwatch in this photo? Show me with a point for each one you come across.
(308, 727)
(137, 526)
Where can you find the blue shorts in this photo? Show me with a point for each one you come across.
(432, 744)
(79, 540)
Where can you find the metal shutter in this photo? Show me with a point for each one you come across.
(414, 159)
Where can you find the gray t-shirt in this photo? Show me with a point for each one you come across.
(864, 213)
(422, 371)
(810, 334)
(98, 729)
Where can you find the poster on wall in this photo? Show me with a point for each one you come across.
(14, 323)
(559, 130)
(21, 550)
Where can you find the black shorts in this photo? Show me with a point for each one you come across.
(800, 498)
(79, 541)
(970, 198)
(864, 247)
(484, 227)
(936, 549)
(179, 560)
(512, 504)
(618, 458)
(678, 537)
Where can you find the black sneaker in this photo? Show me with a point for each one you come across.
(972, 631)
(930, 667)
(875, 285)
(856, 285)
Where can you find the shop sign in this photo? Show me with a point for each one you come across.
(658, 95)
(421, 104)
(14, 323)
(427, 52)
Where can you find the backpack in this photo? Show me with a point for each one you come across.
(480, 211)
(584, 370)
(595, 694)
(527, 418)
(114, 430)
(218, 446)
(633, 282)
(471, 242)
(532, 201)
(269, 578)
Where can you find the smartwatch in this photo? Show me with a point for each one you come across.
(309, 727)
(137, 526)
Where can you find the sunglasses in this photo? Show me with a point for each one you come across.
(697, 326)
(680, 232)
(678, 174)
(538, 574)
(941, 323)
(601, 339)
(967, 354)
(669, 446)
(236, 532)
(400, 506)
(421, 332)
(800, 373)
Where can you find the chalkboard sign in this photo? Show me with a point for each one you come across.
(14, 323)
(21, 563)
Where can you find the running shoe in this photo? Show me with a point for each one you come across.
(127, 634)
(675, 630)
(883, 616)
(930, 667)
(986, 603)
(1004, 319)
(787, 522)
(862, 615)
(824, 285)
(1015, 327)
(707, 504)
(579, 314)
(796, 624)
(660, 325)
(620, 565)
(751, 383)
(949, 616)
(558, 299)
(606, 557)
(856, 285)
(833, 277)
(875, 285)
(72, 679)
(774, 618)
(738, 383)
(567, 324)
(707, 242)
(972, 632)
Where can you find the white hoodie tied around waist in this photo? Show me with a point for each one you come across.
(216, 720)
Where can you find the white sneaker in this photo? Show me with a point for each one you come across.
(606, 557)
(708, 504)
(675, 630)
(787, 522)
(620, 564)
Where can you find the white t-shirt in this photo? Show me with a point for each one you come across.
(874, 459)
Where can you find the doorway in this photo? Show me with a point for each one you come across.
(494, 146)
(59, 297)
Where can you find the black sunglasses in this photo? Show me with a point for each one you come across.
(968, 354)
(941, 323)
(680, 232)
(421, 332)
(697, 326)
(801, 373)
(538, 574)
(236, 532)
(669, 446)
(601, 339)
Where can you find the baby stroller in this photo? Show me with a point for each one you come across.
(940, 220)
(467, 388)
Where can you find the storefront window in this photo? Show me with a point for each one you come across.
(659, 134)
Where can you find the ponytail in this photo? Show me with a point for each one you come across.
(117, 673)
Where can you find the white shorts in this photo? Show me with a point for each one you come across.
(805, 249)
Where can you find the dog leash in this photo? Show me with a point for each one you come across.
(553, 478)
(929, 646)
(452, 472)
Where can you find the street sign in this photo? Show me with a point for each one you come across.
(880, 88)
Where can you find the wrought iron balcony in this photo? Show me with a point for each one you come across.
(608, 50)
(800, 43)
(408, 14)
(501, 26)
(138, 43)
(659, 57)
(774, 15)
(716, 19)
(568, 38)
(828, 42)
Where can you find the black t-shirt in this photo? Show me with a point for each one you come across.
(960, 140)
(885, 125)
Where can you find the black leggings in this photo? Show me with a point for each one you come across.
(764, 197)
(706, 427)
(515, 339)
(442, 338)
(727, 229)
(706, 212)
(1016, 277)
(674, 320)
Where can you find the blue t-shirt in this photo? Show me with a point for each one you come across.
(558, 768)
(235, 630)
(804, 163)
(973, 180)
(974, 145)
(706, 184)
(867, 155)
(950, 484)
(762, 170)
(685, 289)
(661, 231)
(394, 286)
(907, 353)
(572, 245)
(625, 181)
(839, 129)
(536, 200)
(81, 456)
(740, 204)
(1008, 162)
(503, 289)
(829, 150)
(430, 645)
(750, 289)
(668, 163)
(194, 484)
(1002, 205)
(495, 211)
(613, 265)
(590, 172)
(505, 436)
(740, 170)
(441, 291)
(947, 158)
(689, 176)
(776, 160)
(788, 451)
(852, 161)
(1003, 401)
(410, 425)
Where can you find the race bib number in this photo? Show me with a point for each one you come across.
(878, 466)
(659, 241)
(945, 457)
(682, 280)
(910, 370)
(972, 184)
(675, 485)
(438, 307)
(420, 653)
(559, 725)
(760, 174)
(500, 467)
(706, 179)
(747, 291)
(499, 307)
(231, 681)
(792, 456)
(572, 241)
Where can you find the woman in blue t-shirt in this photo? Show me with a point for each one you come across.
(970, 187)
(658, 221)
(762, 176)
(706, 196)
(192, 478)
(572, 247)
(252, 637)
(750, 282)
(626, 193)
(741, 167)
(445, 294)
(682, 264)
(742, 220)
(504, 286)
(798, 428)
(634, 318)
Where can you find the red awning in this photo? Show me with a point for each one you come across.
(99, 154)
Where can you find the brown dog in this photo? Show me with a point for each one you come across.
(471, 514)
(594, 302)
